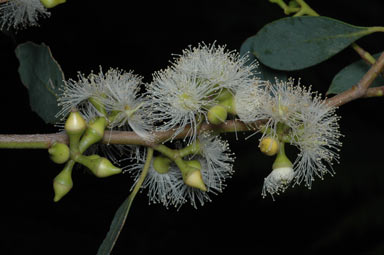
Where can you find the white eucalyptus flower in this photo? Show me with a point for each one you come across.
(318, 139)
(179, 100)
(219, 161)
(76, 94)
(223, 68)
(114, 95)
(168, 187)
(278, 181)
(21, 13)
(249, 100)
(121, 97)
(301, 118)
(163, 187)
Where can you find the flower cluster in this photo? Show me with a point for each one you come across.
(207, 83)
(199, 84)
(113, 95)
(293, 114)
(165, 181)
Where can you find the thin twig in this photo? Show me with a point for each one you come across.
(375, 92)
(45, 141)
(360, 89)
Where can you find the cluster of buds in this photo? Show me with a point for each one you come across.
(81, 137)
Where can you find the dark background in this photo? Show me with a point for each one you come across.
(343, 214)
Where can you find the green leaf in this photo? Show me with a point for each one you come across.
(116, 226)
(122, 213)
(295, 43)
(351, 75)
(42, 76)
(266, 73)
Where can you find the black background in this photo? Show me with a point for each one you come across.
(342, 214)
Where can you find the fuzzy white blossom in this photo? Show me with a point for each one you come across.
(179, 100)
(183, 94)
(121, 97)
(296, 115)
(249, 100)
(21, 13)
(113, 95)
(318, 139)
(76, 94)
(169, 188)
(219, 161)
(214, 63)
(277, 181)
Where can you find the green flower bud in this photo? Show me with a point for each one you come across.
(75, 124)
(269, 146)
(75, 127)
(224, 95)
(98, 105)
(229, 105)
(192, 175)
(52, 3)
(62, 183)
(161, 164)
(99, 166)
(93, 134)
(59, 153)
(217, 114)
(194, 163)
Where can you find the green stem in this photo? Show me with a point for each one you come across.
(163, 149)
(193, 148)
(24, 145)
(375, 29)
(305, 9)
(143, 173)
(45, 141)
(36, 141)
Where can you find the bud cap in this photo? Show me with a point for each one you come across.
(51, 3)
(217, 114)
(269, 146)
(75, 124)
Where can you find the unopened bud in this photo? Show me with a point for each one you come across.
(229, 105)
(62, 183)
(98, 105)
(59, 153)
(269, 146)
(224, 95)
(192, 175)
(51, 3)
(217, 114)
(161, 164)
(75, 124)
(105, 168)
(99, 166)
(93, 134)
